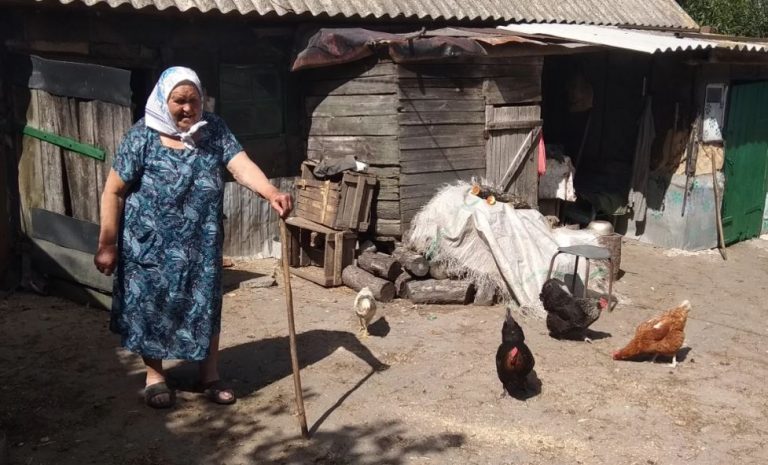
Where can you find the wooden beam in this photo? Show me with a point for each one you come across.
(69, 264)
(467, 130)
(379, 85)
(368, 67)
(449, 153)
(439, 177)
(341, 105)
(439, 83)
(522, 124)
(442, 105)
(503, 90)
(440, 117)
(376, 150)
(437, 142)
(64, 231)
(525, 69)
(429, 166)
(439, 93)
(354, 126)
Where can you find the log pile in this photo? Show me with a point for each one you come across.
(408, 275)
(492, 196)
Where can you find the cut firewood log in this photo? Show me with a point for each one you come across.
(400, 283)
(412, 262)
(439, 291)
(357, 278)
(493, 196)
(368, 247)
(480, 191)
(438, 271)
(381, 265)
(485, 294)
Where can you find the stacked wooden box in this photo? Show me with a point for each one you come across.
(329, 214)
(340, 202)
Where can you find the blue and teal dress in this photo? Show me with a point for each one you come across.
(167, 292)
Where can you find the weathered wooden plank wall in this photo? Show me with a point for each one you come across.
(59, 180)
(442, 122)
(353, 110)
(146, 45)
(251, 226)
(7, 162)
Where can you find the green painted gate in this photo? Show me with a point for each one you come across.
(746, 162)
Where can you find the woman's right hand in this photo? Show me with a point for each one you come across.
(106, 259)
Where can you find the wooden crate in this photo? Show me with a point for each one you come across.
(340, 202)
(318, 253)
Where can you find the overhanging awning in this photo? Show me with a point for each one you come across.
(334, 46)
(631, 39)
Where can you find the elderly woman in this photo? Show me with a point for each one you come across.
(161, 229)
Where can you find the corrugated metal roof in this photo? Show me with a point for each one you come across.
(628, 39)
(654, 13)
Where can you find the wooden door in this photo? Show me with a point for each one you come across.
(513, 135)
(746, 162)
(60, 181)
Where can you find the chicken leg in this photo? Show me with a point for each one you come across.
(363, 327)
(671, 365)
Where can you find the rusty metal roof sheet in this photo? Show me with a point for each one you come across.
(652, 13)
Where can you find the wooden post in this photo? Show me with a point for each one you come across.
(292, 330)
(718, 214)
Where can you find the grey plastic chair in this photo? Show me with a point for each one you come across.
(589, 252)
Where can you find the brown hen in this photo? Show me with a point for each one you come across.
(661, 335)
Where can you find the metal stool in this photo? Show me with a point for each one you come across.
(590, 252)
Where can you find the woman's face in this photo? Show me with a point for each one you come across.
(185, 105)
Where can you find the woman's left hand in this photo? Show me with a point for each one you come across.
(282, 203)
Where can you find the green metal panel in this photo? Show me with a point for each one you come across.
(746, 162)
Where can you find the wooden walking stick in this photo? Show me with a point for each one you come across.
(292, 329)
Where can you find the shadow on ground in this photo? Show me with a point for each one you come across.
(71, 396)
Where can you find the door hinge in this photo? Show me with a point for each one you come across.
(66, 143)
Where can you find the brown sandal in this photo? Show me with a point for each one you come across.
(159, 395)
(219, 393)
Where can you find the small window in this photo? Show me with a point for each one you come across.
(251, 100)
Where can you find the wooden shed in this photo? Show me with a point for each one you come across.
(419, 124)
(424, 125)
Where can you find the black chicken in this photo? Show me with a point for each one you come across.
(568, 317)
(514, 360)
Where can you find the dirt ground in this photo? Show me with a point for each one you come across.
(70, 395)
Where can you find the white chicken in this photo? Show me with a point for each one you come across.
(365, 309)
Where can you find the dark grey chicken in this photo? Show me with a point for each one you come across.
(514, 360)
(568, 317)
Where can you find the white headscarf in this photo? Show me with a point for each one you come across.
(158, 117)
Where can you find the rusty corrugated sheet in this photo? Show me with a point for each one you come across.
(654, 13)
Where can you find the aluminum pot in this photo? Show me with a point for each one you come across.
(601, 228)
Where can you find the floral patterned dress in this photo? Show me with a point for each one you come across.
(167, 292)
